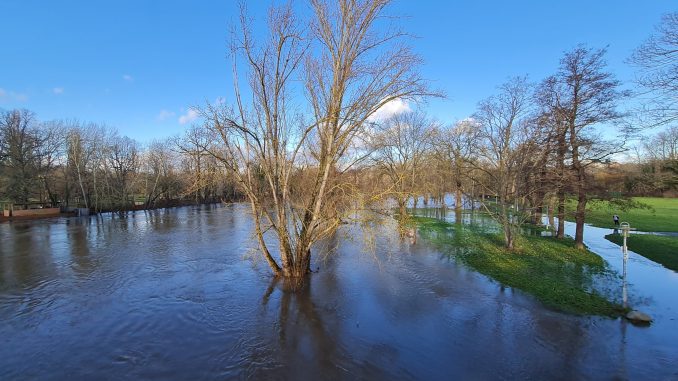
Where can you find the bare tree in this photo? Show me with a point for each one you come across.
(50, 146)
(657, 59)
(18, 156)
(29, 151)
(350, 71)
(194, 147)
(663, 146)
(123, 161)
(160, 175)
(584, 97)
(400, 147)
(455, 147)
(77, 159)
(657, 171)
(504, 151)
(552, 119)
(85, 146)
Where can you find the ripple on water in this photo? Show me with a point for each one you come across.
(169, 295)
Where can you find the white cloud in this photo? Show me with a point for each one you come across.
(164, 115)
(467, 123)
(190, 116)
(8, 95)
(58, 90)
(127, 78)
(394, 107)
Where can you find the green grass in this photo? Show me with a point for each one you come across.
(556, 273)
(661, 217)
(663, 250)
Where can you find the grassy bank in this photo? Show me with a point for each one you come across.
(552, 270)
(663, 250)
(661, 217)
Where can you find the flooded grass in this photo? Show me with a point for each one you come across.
(556, 273)
(663, 250)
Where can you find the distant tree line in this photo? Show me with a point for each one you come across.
(70, 163)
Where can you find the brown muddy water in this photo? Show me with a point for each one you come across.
(180, 294)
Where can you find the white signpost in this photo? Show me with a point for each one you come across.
(634, 316)
(625, 228)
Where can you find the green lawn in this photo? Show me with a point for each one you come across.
(556, 273)
(661, 217)
(663, 250)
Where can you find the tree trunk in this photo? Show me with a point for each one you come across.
(508, 235)
(561, 215)
(537, 216)
(551, 215)
(402, 206)
(580, 216)
(260, 238)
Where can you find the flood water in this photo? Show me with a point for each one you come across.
(181, 294)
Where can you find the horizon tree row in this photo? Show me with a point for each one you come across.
(75, 164)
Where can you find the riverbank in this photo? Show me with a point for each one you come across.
(39, 216)
(553, 271)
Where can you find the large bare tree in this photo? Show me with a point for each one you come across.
(583, 98)
(351, 62)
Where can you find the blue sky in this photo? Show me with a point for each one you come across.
(140, 65)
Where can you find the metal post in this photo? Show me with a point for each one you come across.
(625, 227)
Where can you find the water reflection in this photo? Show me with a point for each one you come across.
(472, 218)
(167, 294)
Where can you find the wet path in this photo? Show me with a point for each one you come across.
(653, 288)
(179, 294)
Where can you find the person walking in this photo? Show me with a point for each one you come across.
(615, 218)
